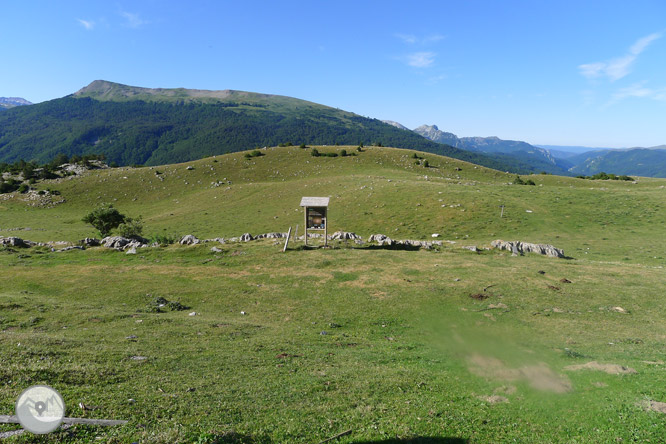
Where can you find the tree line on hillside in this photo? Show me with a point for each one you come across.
(140, 133)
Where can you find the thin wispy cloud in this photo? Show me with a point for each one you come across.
(638, 90)
(133, 20)
(421, 59)
(619, 67)
(88, 24)
(412, 39)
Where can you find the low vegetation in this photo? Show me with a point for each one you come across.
(248, 344)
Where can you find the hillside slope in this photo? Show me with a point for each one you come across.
(132, 125)
(381, 190)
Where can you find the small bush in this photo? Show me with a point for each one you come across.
(164, 239)
(315, 152)
(104, 219)
(302, 145)
(131, 228)
(359, 148)
(331, 154)
(23, 188)
(518, 181)
(343, 153)
(426, 163)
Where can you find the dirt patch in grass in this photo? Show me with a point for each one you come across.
(611, 369)
(539, 376)
(478, 296)
(657, 406)
(493, 399)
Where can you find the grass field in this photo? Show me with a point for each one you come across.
(385, 343)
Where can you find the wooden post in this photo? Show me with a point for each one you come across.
(296, 233)
(306, 226)
(286, 243)
(326, 230)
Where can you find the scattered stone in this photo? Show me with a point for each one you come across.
(435, 234)
(13, 242)
(90, 242)
(243, 313)
(381, 239)
(565, 281)
(541, 272)
(611, 369)
(518, 247)
(216, 250)
(117, 242)
(138, 358)
(269, 236)
(189, 168)
(619, 310)
(189, 239)
(194, 313)
(77, 247)
(246, 237)
(132, 250)
(323, 333)
(345, 235)
(471, 248)
(456, 280)
(131, 337)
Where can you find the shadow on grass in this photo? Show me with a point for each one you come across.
(418, 440)
(388, 247)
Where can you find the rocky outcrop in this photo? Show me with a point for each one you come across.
(381, 239)
(123, 243)
(268, 236)
(189, 240)
(14, 242)
(518, 247)
(345, 235)
(90, 242)
(384, 240)
(246, 237)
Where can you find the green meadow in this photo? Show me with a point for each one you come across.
(375, 345)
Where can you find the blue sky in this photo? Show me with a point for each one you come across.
(587, 73)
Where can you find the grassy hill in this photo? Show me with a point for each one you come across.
(133, 125)
(385, 343)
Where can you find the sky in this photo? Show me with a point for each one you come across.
(590, 73)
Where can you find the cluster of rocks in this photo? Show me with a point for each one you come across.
(384, 240)
(518, 247)
(345, 235)
(123, 243)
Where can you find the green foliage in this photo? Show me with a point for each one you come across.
(315, 152)
(343, 153)
(359, 148)
(605, 176)
(131, 227)
(23, 188)
(302, 145)
(104, 219)
(135, 132)
(164, 239)
(426, 163)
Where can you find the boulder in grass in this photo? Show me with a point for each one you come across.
(345, 235)
(117, 242)
(518, 247)
(189, 240)
(381, 239)
(13, 242)
(246, 237)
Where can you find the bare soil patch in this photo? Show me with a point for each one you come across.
(611, 369)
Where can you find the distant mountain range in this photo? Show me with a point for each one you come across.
(151, 126)
(133, 125)
(555, 159)
(11, 102)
